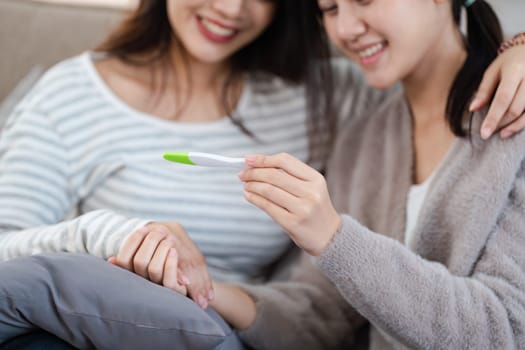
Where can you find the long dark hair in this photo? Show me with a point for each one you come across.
(285, 49)
(484, 35)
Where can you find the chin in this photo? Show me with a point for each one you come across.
(211, 57)
(380, 82)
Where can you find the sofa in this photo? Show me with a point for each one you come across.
(34, 35)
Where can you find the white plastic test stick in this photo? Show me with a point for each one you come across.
(205, 159)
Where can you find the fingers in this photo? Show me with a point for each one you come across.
(297, 195)
(276, 177)
(517, 108)
(193, 265)
(200, 289)
(514, 128)
(500, 104)
(145, 253)
(487, 87)
(283, 161)
(273, 194)
(151, 252)
(127, 252)
(279, 214)
(157, 263)
(171, 274)
(515, 114)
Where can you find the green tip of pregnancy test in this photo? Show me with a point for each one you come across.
(179, 157)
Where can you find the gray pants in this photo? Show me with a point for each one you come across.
(92, 304)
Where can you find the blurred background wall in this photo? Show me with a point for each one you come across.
(511, 13)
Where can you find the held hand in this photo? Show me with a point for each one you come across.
(505, 80)
(164, 254)
(295, 196)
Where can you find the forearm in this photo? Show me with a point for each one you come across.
(97, 233)
(38, 193)
(234, 305)
(420, 302)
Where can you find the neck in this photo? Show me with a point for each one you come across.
(428, 87)
(195, 77)
(427, 90)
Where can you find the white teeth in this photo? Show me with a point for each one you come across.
(371, 50)
(214, 28)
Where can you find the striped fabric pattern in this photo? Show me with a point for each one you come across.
(80, 170)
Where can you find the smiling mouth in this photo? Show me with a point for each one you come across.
(371, 51)
(216, 29)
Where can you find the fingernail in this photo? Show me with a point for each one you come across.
(486, 133)
(250, 159)
(211, 295)
(240, 175)
(202, 302)
(506, 134)
(474, 104)
(173, 252)
(185, 280)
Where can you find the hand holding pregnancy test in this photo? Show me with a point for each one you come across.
(291, 192)
(295, 196)
(205, 159)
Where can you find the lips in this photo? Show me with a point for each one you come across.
(369, 55)
(214, 31)
(371, 50)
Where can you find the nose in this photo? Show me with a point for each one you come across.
(228, 8)
(350, 25)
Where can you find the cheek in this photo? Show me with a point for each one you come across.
(404, 55)
(390, 71)
(331, 30)
(335, 39)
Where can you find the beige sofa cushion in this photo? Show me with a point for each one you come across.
(40, 34)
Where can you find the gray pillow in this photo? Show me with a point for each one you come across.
(21, 89)
(92, 304)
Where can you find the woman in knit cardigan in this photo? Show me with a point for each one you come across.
(422, 228)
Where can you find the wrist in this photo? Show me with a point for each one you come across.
(234, 305)
(331, 233)
(518, 39)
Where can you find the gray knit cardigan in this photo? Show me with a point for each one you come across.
(461, 285)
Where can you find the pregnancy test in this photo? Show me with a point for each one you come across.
(205, 159)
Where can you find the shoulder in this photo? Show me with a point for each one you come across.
(495, 154)
(67, 90)
(68, 70)
(66, 76)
